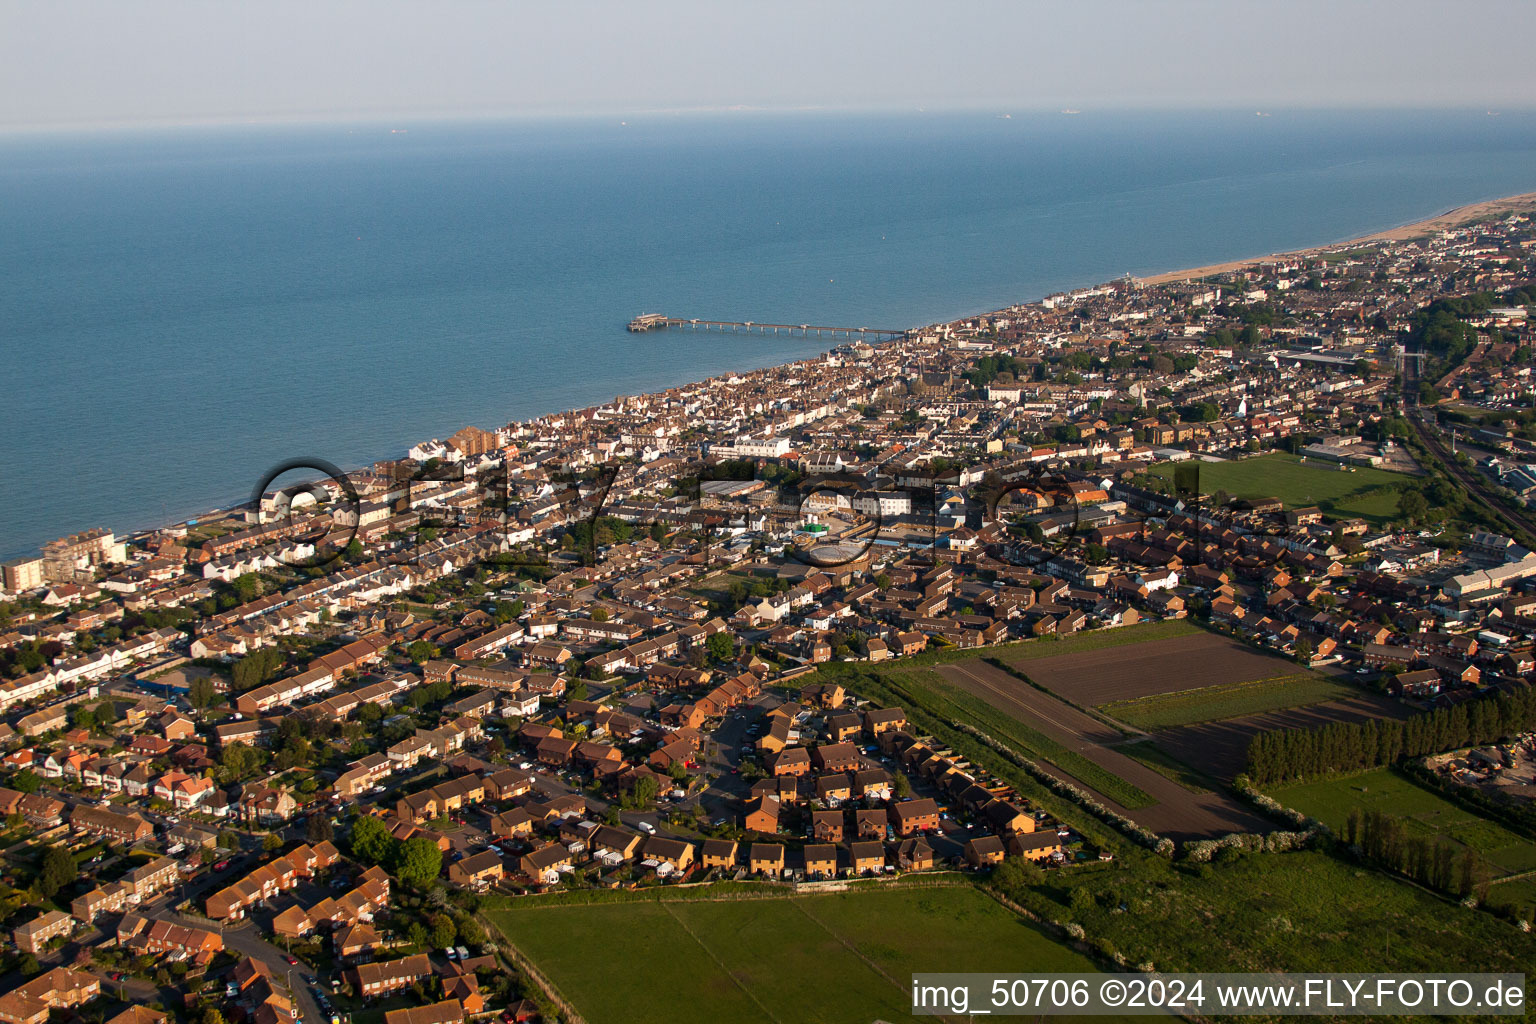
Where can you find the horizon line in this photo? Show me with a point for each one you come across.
(1001, 111)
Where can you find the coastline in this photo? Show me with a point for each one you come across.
(1456, 217)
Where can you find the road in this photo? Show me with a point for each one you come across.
(246, 940)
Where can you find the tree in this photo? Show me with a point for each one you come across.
(1412, 504)
(28, 965)
(371, 841)
(239, 760)
(82, 717)
(643, 794)
(271, 842)
(319, 828)
(1017, 873)
(212, 1016)
(419, 861)
(444, 931)
(256, 668)
(202, 694)
(26, 781)
(578, 690)
(1304, 650)
(882, 581)
(58, 870)
(247, 587)
(721, 647)
(901, 787)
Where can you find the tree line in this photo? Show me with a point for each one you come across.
(1285, 755)
(1385, 840)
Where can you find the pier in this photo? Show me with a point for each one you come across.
(660, 321)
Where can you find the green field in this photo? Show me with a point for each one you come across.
(1426, 813)
(1227, 700)
(837, 958)
(1089, 640)
(717, 586)
(1305, 911)
(1299, 484)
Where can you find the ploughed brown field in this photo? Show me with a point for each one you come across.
(1178, 663)
(1178, 813)
(1220, 749)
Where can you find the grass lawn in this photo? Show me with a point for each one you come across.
(1305, 911)
(1517, 892)
(1376, 506)
(1048, 646)
(834, 958)
(1299, 484)
(1227, 700)
(716, 587)
(1422, 811)
(1088, 640)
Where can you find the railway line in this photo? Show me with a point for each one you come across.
(1520, 525)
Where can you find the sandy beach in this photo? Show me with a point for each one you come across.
(1450, 219)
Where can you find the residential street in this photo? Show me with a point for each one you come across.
(244, 938)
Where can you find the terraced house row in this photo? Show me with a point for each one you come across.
(278, 875)
(355, 907)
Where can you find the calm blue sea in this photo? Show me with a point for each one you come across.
(182, 309)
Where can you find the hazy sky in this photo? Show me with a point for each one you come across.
(74, 61)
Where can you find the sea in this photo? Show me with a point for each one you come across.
(182, 309)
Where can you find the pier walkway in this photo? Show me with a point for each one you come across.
(660, 321)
